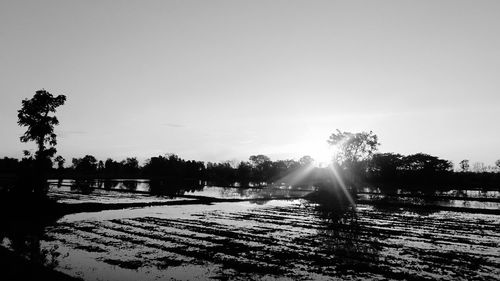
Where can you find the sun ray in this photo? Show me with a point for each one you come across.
(296, 176)
(338, 178)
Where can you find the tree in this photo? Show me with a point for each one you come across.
(306, 160)
(262, 165)
(479, 167)
(131, 166)
(60, 162)
(258, 160)
(385, 165)
(425, 163)
(353, 148)
(497, 163)
(85, 165)
(244, 173)
(464, 165)
(36, 115)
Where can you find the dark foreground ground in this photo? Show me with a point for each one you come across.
(16, 268)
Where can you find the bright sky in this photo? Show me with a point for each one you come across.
(222, 80)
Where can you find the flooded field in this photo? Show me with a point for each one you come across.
(128, 191)
(276, 237)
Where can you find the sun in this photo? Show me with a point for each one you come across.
(322, 153)
(313, 143)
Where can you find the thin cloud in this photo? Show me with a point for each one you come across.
(173, 125)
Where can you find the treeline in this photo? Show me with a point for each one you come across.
(426, 170)
(259, 170)
(382, 169)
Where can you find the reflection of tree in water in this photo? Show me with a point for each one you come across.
(24, 235)
(108, 184)
(268, 193)
(235, 192)
(59, 183)
(172, 188)
(130, 185)
(342, 243)
(84, 186)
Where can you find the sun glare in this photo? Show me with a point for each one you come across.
(322, 154)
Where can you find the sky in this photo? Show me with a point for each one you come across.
(223, 80)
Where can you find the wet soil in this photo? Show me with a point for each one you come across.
(293, 240)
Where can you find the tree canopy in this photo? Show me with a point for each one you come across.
(353, 147)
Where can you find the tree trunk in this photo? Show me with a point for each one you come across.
(40, 170)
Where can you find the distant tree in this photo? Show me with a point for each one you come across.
(262, 165)
(353, 148)
(479, 167)
(306, 160)
(131, 166)
(260, 159)
(100, 166)
(385, 165)
(281, 169)
(112, 167)
(8, 165)
(425, 163)
(497, 164)
(221, 173)
(244, 173)
(85, 165)
(36, 115)
(464, 165)
(60, 162)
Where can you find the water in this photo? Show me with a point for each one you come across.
(127, 191)
(276, 237)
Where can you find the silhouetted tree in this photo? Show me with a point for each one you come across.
(100, 166)
(173, 167)
(221, 173)
(244, 173)
(8, 165)
(35, 114)
(425, 163)
(86, 165)
(262, 166)
(131, 166)
(60, 162)
(464, 165)
(385, 165)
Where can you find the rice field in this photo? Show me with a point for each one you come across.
(275, 239)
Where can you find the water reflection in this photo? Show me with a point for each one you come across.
(346, 247)
(23, 233)
(448, 198)
(170, 188)
(166, 188)
(388, 196)
(130, 185)
(83, 186)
